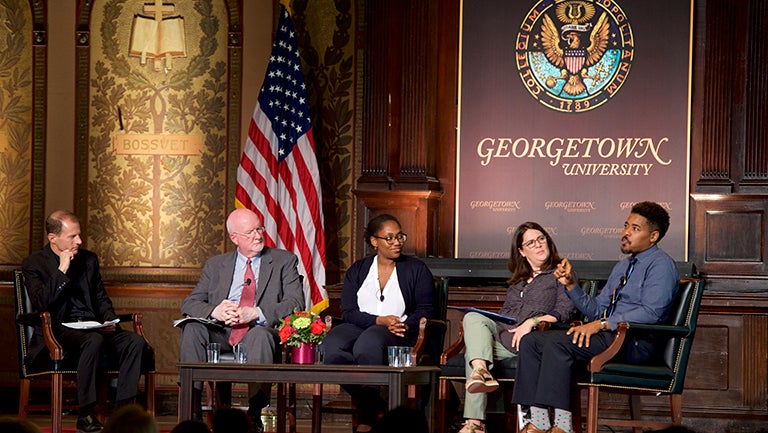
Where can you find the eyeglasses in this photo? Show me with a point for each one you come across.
(252, 232)
(541, 240)
(402, 237)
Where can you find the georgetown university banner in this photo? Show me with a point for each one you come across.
(571, 111)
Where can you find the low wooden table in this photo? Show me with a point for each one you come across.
(396, 379)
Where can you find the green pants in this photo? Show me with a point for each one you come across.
(478, 339)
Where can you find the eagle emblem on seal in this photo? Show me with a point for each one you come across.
(576, 44)
(574, 55)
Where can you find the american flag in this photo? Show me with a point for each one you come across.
(278, 176)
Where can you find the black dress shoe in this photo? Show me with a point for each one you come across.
(257, 426)
(88, 424)
(254, 413)
(256, 403)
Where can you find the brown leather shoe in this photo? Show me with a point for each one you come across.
(555, 429)
(470, 427)
(481, 381)
(530, 428)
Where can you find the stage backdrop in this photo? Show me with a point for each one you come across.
(572, 111)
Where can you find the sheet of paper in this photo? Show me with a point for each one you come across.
(179, 322)
(90, 324)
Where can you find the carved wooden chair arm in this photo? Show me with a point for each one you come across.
(597, 361)
(54, 348)
(421, 339)
(455, 348)
(138, 327)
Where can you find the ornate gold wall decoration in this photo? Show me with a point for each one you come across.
(16, 131)
(325, 32)
(153, 204)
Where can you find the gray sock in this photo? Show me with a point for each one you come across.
(564, 420)
(540, 418)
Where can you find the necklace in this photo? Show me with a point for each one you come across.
(379, 279)
(534, 274)
(381, 289)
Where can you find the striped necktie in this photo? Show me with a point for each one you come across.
(246, 299)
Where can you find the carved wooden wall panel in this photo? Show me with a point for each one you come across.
(399, 81)
(711, 355)
(755, 115)
(731, 236)
(755, 377)
(727, 373)
(375, 85)
(416, 211)
(734, 87)
(730, 239)
(718, 93)
(415, 108)
(714, 353)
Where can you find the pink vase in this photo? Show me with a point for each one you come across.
(303, 354)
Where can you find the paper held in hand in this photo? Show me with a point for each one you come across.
(90, 324)
(178, 322)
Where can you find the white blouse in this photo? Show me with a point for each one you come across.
(369, 296)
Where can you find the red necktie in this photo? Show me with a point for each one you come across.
(246, 300)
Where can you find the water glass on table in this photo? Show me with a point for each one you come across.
(213, 352)
(399, 356)
(240, 356)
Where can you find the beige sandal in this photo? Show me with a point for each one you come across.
(470, 427)
(481, 381)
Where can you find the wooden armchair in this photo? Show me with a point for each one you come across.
(663, 377)
(61, 365)
(426, 351)
(452, 369)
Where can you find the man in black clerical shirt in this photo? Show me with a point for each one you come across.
(64, 280)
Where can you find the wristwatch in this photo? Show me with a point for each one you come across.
(602, 324)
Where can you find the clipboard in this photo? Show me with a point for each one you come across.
(495, 316)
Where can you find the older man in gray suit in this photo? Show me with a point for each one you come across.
(247, 291)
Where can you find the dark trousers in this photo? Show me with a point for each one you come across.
(349, 344)
(261, 344)
(545, 367)
(124, 346)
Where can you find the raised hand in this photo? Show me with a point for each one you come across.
(564, 275)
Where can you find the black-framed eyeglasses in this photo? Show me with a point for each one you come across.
(252, 232)
(402, 237)
(541, 240)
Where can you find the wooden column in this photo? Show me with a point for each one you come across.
(399, 139)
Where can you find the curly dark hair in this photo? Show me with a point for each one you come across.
(375, 225)
(657, 216)
(517, 264)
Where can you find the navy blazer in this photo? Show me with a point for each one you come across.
(416, 284)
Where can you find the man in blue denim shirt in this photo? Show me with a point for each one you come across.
(640, 289)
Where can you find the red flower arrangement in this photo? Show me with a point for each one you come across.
(302, 327)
